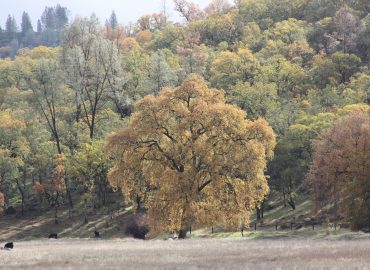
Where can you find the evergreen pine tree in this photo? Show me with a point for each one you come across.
(26, 24)
(39, 26)
(11, 25)
(113, 20)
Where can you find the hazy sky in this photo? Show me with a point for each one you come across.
(126, 10)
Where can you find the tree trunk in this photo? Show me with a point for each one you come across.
(85, 213)
(291, 202)
(258, 213)
(68, 192)
(93, 116)
(262, 208)
(290, 191)
(78, 110)
(21, 191)
(22, 197)
(56, 137)
(56, 216)
(284, 197)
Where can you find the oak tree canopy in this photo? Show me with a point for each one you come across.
(191, 159)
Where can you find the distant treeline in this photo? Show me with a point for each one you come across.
(48, 31)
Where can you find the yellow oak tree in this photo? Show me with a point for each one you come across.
(191, 159)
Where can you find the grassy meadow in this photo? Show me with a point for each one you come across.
(188, 254)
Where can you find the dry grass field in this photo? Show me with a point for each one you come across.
(187, 254)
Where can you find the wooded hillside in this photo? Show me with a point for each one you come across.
(295, 70)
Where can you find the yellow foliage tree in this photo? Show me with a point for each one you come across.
(13, 149)
(230, 67)
(191, 159)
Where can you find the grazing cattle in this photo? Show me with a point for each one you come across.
(53, 236)
(9, 246)
(97, 234)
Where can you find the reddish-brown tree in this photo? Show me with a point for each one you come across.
(340, 173)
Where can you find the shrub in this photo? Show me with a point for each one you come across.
(137, 226)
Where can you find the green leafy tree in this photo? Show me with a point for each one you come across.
(257, 99)
(293, 155)
(363, 42)
(324, 71)
(288, 31)
(216, 29)
(92, 66)
(348, 27)
(230, 67)
(357, 90)
(48, 95)
(319, 9)
(90, 166)
(160, 74)
(53, 191)
(170, 37)
(346, 65)
(13, 148)
(291, 79)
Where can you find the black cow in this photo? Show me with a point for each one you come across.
(53, 236)
(9, 245)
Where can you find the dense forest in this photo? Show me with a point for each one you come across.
(197, 123)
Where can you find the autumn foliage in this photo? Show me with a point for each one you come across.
(191, 159)
(190, 154)
(2, 201)
(340, 172)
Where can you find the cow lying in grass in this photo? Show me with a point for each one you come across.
(8, 246)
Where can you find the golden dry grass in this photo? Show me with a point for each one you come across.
(187, 254)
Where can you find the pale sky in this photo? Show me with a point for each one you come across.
(126, 10)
